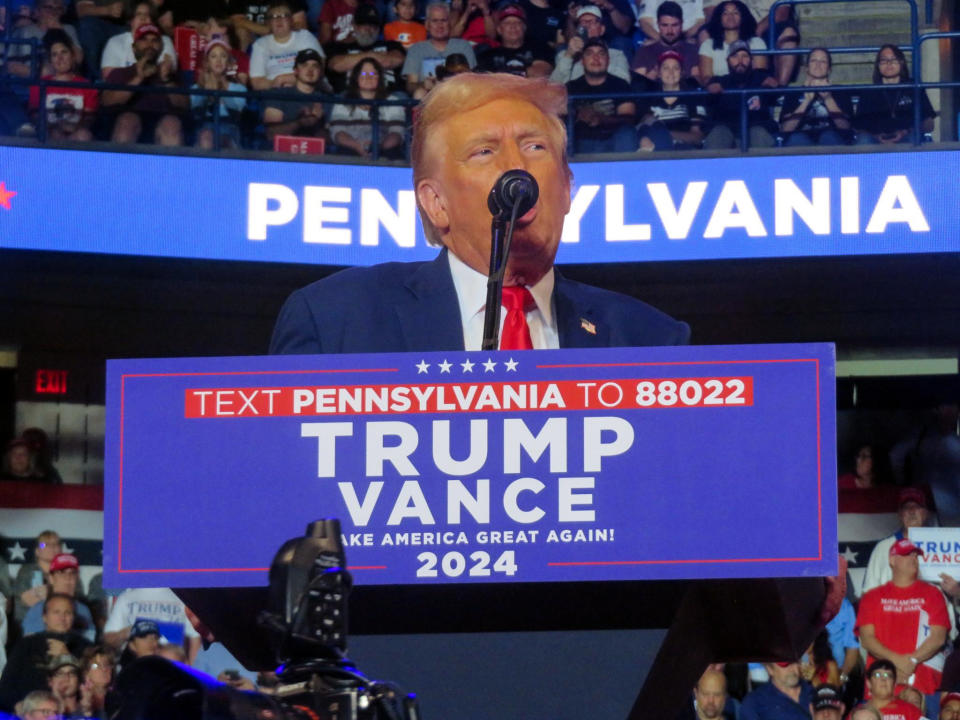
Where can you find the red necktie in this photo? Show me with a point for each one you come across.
(516, 332)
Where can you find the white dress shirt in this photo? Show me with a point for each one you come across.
(471, 288)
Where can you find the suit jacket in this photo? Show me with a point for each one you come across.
(411, 307)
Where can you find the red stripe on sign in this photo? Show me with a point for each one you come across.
(601, 394)
(23, 494)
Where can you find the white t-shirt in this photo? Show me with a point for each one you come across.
(719, 56)
(269, 58)
(118, 52)
(692, 11)
(157, 604)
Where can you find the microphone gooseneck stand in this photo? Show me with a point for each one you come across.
(514, 193)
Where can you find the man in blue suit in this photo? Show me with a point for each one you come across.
(469, 131)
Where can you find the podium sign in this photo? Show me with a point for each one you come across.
(472, 467)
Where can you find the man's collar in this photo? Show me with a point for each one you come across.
(471, 287)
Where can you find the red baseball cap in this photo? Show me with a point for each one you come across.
(949, 696)
(63, 561)
(904, 547)
(911, 494)
(512, 11)
(146, 30)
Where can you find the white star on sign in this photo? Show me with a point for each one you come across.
(444, 366)
(511, 365)
(489, 365)
(17, 552)
(467, 366)
(422, 367)
(850, 555)
(66, 548)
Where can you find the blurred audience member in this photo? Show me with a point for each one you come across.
(405, 30)
(843, 641)
(817, 117)
(905, 622)
(420, 67)
(916, 698)
(819, 667)
(881, 681)
(350, 125)
(931, 455)
(143, 640)
(250, 19)
(366, 43)
(709, 698)
(31, 584)
(97, 22)
(151, 117)
(272, 56)
(786, 697)
(545, 22)
(725, 111)
(603, 124)
(26, 669)
(863, 475)
(473, 21)
(912, 511)
(672, 123)
(37, 439)
(119, 51)
(298, 115)
(678, 27)
(669, 39)
(221, 28)
(950, 706)
(70, 111)
(618, 19)
(885, 116)
(38, 705)
(48, 17)
(160, 605)
(515, 53)
(786, 35)
(337, 20)
(730, 23)
(63, 677)
(568, 65)
(63, 579)
(864, 711)
(216, 661)
(212, 75)
(19, 462)
(828, 703)
(96, 680)
(453, 65)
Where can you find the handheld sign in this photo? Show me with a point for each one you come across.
(941, 552)
(469, 467)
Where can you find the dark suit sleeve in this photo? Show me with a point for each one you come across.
(296, 331)
(683, 334)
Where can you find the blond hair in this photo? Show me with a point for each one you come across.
(469, 91)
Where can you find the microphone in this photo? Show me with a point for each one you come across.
(514, 193)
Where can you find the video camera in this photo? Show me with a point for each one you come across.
(306, 618)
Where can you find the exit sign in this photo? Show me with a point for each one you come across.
(50, 382)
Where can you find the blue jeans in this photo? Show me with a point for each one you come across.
(624, 139)
(12, 115)
(867, 138)
(658, 135)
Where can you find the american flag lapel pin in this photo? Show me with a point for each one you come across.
(588, 326)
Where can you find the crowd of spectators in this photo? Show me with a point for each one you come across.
(617, 58)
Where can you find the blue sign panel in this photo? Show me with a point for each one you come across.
(467, 467)
(274, 211)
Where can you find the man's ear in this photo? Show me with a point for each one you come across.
(433, 203)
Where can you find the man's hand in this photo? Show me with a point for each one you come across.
(56, 647)
(285, 80)
(890, 138)
(146, 68)
(588, 115)
(905, 667)
(166, 68)
(311, 115)
(714, 88)
(769, 82)
(950, 586)
(240, 683)
(575, 46)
